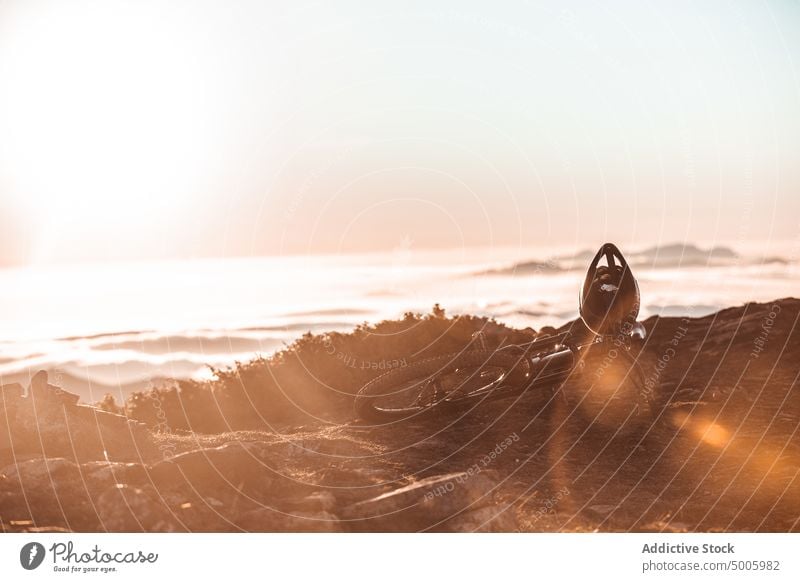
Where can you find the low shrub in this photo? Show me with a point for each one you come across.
(315, 377)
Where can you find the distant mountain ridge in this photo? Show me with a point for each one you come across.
(653, 257)
(669, 255)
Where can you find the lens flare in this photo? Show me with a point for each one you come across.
(708, 432)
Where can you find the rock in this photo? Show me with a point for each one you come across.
(11, 498)
(668, 527)
(10, 395)
(227, 469)
(49, 492)
(338, 476)
(202, 514)
(319, 501)
(42, 393)
(123, 508)
(101, 475)
(270, 520)
(37, 474)
(601, 510)
(425, 505)
(49, 422)
(486, 519)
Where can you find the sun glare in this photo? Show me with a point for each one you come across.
(99, 117)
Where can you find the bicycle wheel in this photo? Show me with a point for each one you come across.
(437, 383)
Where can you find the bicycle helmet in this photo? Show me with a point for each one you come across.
(609, 301)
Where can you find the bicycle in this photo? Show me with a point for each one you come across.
(607, 344)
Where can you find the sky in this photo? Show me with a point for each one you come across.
(185, 129)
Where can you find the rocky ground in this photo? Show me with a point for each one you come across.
(721, 454)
